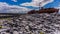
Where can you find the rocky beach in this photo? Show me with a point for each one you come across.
(43, 23)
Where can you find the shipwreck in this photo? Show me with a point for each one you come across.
(43, 10)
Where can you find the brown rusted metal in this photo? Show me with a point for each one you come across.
(46, 10)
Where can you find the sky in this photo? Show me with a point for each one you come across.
(23, 6)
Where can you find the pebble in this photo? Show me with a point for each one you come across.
(34, 24)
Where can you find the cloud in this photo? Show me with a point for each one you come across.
(5, 8)
(14, 0)
(58, 7)
(35, 3)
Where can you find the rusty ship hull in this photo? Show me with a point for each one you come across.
(47, 10)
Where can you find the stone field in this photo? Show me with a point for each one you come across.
(31, 24)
